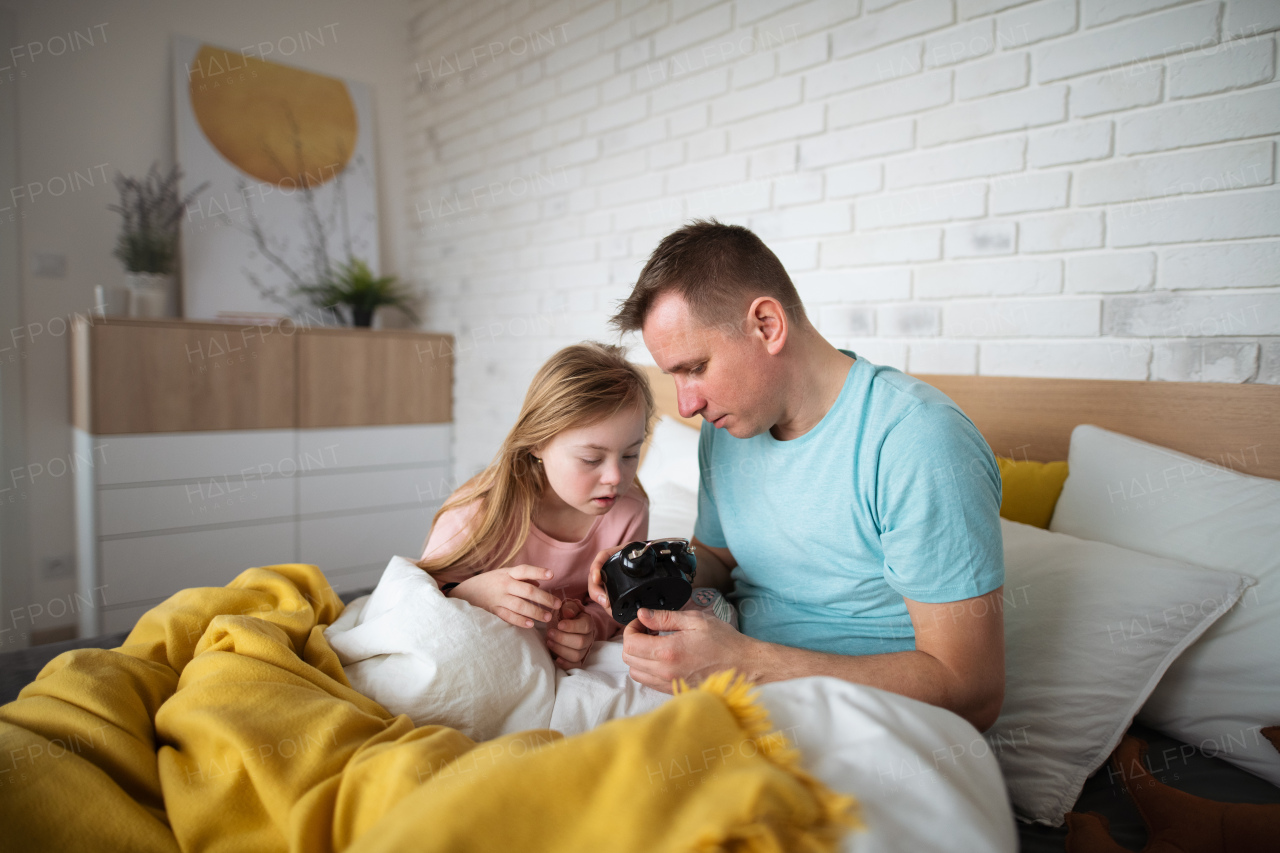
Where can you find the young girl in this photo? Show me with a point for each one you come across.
(518, 538)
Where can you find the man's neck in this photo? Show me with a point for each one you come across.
(818, 374)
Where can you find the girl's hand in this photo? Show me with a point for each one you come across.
(512, 594)
(570, 639)
(595, 577)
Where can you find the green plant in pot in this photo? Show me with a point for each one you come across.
(354, 285)
(345, 293)
(151, 209)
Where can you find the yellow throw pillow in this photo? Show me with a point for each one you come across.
(1031, 490)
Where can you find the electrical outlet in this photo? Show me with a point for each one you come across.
(58, 568)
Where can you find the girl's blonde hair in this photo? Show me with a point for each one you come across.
(579, 386)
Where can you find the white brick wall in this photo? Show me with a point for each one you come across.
(1081, 188)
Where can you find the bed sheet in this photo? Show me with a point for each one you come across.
(1186, 768)
(1175, 763)
(921, 774)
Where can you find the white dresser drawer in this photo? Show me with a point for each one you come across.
(359, 447)
(194, 455)
(146, 567)
(211, 500)
(362, 489)
(170, 511)
(367, 539)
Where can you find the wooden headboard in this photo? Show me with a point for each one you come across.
(1236, 426)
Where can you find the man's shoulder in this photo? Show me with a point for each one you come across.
(899, 394)
(899, 415)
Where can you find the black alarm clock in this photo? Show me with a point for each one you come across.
(656, 574)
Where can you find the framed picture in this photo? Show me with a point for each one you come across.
(289, 156)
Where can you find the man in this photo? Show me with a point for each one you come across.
(850, 511)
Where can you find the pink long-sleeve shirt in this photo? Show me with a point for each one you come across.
(569, 562)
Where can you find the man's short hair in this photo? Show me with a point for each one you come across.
(718, 269)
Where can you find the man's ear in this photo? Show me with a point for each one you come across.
(767, 322)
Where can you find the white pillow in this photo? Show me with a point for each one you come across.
(441, 660)
(672, 456)
(672, 511)
(1141, 496)
(1089, 629)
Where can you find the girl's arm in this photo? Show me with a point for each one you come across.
(449, 531)
(606, 627)
(510, 593)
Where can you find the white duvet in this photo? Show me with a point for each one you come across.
(924, 777)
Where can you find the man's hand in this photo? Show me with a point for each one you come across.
(570, 639)
(714, 565)
(958, 662)
(701, 645)
(511, 594)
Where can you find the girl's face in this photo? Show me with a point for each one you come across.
(590, 467)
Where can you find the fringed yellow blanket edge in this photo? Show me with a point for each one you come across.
(841, 813)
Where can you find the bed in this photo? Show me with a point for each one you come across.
(1029, 420)
(939, 769)
(1233, 426)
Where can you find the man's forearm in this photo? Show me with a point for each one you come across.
(712, 572)
(915, 674)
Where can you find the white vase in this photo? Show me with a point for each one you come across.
(152, 294)
(111, 300)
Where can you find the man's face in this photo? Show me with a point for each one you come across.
(720, 373)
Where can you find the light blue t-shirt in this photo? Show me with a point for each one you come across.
(893, 494)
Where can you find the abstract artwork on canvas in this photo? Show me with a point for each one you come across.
(289, 155)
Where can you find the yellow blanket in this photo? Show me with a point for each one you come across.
(225, 722)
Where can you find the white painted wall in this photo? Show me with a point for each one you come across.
(1054, 188)
(108, 107)
(13, 521)
(1079, 188)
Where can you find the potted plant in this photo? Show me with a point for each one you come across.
(148, 243)
(354, 285)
